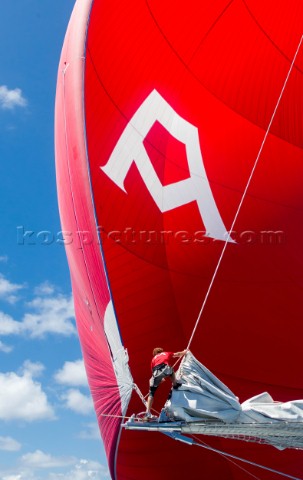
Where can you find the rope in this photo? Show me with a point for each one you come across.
(138, 391)
(244, 193)
(114, 416)
(178, 360)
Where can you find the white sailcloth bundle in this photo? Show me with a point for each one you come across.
(204, 398)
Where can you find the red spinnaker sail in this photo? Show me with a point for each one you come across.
(161, 110)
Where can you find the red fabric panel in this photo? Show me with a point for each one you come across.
(220, 65)
(89, 283)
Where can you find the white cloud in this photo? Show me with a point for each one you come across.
(84, 470)
(23, 399)
(9, 326)
(5, 348)
(69, 468)
(78, 402)
(9, 99)
(51, 315)
(39, 459)
(32, 369)
(3, 258)
(72, 374)
(12, 477)
(9, 444)
(45, 288)
(8, 289)
(90, 432)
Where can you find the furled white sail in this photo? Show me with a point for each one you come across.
(203, 404)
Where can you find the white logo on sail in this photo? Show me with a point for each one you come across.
(130, 148)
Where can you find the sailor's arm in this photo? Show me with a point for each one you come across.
(180, 354)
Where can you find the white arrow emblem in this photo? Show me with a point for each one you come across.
(130, 148)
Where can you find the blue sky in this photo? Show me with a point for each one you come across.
(48, 428)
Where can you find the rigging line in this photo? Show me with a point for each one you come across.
(225, 454)
(244, 193)
(228, 459)
(178, 360)
(124, 417)
(114, 416)
(138, 391)
(142, 397)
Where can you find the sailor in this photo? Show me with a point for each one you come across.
(161, 366)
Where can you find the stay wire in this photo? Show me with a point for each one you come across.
(244, 460)
(244, 193)
(228, 459)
